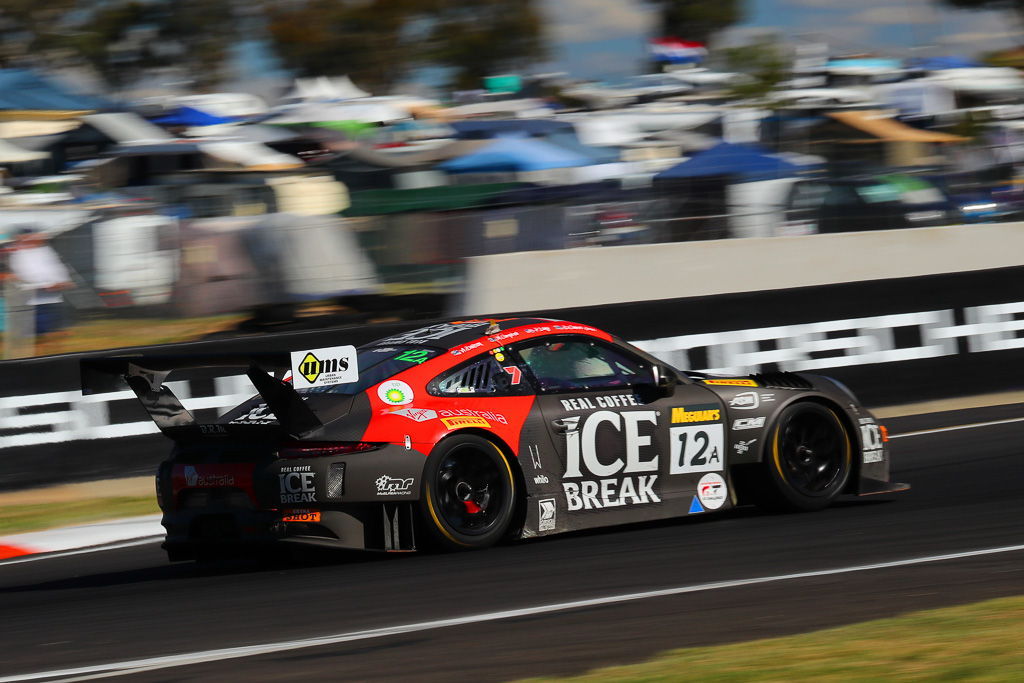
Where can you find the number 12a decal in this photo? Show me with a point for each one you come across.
(696, 448)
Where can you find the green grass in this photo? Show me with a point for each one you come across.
(18, 518)
(979, 642)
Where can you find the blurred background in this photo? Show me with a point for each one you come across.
(173, 171)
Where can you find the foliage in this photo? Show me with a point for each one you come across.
(764, 66)
(121, 38)
(378, 42)
(696, 19)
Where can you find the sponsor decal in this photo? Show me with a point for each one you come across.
(260, 415)
(541, 479)
(194, 479)
(391, 486)
(414, 414)
(712, 491)
(595, 402)
(871, 439)
(702, 413)
(534, 456)
(465, 421)
(302, 516)
(610, 493)
(413, 356)
(697, 449)
(516, 373)
(297, 484)
(322, 367)
(395, 392)
(581, 454)
(546, 514)
(466, 412)
(731, 382)
(213, 430)
(574, 328)
(749, 400)
(743, 446)
(748, 423)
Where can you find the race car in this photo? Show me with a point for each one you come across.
(461, 434)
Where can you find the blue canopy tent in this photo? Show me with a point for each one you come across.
(188, 116)
(746, 162)
(515, 155)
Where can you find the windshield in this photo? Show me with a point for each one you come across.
(377, 364)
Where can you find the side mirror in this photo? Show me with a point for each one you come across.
(664, 381)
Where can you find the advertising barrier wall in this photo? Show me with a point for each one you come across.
(891, 340)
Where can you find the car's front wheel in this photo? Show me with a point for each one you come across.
(469, 493)
(808, 460)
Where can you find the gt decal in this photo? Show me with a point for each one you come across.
(696, 449)
(712, 491)
(517, 374)
(732, 382)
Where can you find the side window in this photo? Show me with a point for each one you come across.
(573, 364)
(493, 374)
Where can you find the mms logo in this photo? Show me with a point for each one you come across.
(312, 367)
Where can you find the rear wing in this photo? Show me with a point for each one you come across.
(147, 377)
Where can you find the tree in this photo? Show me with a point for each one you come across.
(763, 64)
(696, 19)
(1014, 6)
(379, 42)
(485, 37)
(121, 38)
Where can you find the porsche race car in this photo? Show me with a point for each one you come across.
(465, 433)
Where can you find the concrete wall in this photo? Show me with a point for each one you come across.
(566, 278)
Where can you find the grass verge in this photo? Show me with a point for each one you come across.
(15, 519)
(978, 642)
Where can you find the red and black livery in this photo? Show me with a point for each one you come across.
(464, 433)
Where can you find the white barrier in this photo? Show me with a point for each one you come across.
(591, 276)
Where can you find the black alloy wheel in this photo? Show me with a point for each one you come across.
(469, 493)
(810, 457)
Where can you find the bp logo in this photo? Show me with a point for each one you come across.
(395, 393)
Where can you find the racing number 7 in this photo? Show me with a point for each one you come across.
(517, 374)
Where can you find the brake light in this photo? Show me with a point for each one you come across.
(884, 432)
(315, 449)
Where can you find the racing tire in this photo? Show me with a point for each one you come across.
(809, 459)
(469, 493)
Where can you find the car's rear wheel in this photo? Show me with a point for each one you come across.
(469, 493)
(809, 458)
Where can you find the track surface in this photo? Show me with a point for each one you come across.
(126, 604)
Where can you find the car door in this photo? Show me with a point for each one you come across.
(626, 451)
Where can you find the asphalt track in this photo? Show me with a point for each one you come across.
(59, 614)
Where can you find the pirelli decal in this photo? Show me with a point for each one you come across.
(731, 382)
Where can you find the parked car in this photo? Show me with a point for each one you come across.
(877, 202)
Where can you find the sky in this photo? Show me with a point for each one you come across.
(607, 38)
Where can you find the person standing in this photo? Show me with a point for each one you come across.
(38, 269)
